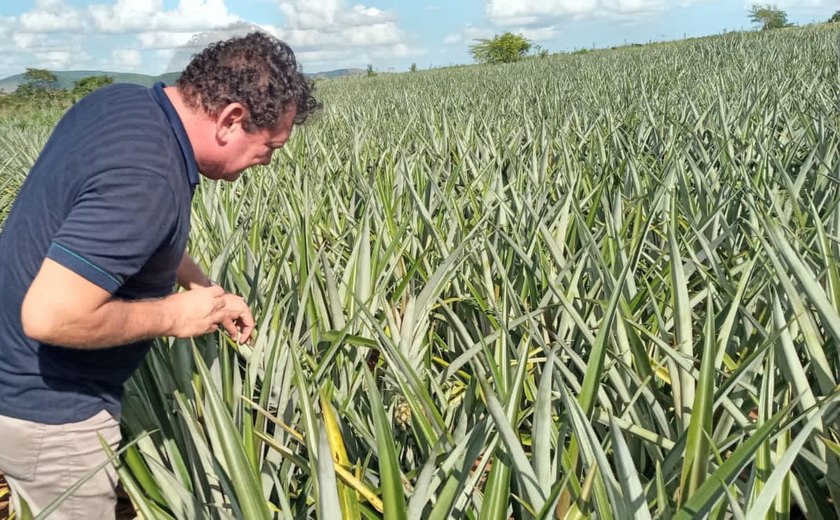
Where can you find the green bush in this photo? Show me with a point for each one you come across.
(505, 48)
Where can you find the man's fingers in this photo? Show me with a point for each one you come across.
(246, 324)
(232, 322)
(230, 328)
(247, 318)
(235, 317)
(245, 332)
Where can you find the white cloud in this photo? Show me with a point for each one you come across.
(46, 47)
(542, 13)
(468, 34)
(303, 15)
(336, 57)
(163, 40)
(797, 4)
(327, 33)
(373, 35)
(26, 41)
(54, 34)
(56, 60)
(183, 46)
(331, 28)
(127, 59)
(148, 16)
(52, 16)
(539, 34)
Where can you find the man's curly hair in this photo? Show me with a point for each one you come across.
(257, 70)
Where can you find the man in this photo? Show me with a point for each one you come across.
(95, 243)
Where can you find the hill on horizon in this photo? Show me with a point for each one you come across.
(66, 78)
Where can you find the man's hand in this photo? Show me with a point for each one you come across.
(242, 325)
(201, 311)
(239, 327)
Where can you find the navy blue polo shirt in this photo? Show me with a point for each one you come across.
(108, 198)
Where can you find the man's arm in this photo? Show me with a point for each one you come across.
(190, 276)
(63, 308)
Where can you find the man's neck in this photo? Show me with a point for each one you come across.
(194, 120)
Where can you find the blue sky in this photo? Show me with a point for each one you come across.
(155, 36)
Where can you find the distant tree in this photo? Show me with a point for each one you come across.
(370, 72)
(85, 86)
(413, 68)
(39, 79)
(768, 16)
(505, 48)
(835, 18)
(39, 83)
(540, 52)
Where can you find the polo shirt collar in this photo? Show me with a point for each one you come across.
(178, 128)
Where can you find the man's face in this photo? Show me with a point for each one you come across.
(245, 149)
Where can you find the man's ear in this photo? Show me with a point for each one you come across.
(230, 120)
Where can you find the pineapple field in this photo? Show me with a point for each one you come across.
(590, 285)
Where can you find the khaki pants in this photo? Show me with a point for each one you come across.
(41, 461)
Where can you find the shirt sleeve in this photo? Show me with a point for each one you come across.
(118, 221)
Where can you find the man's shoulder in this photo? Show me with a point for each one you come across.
(115, 90)
(114, 110)
(117, 124)
(112, 101)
